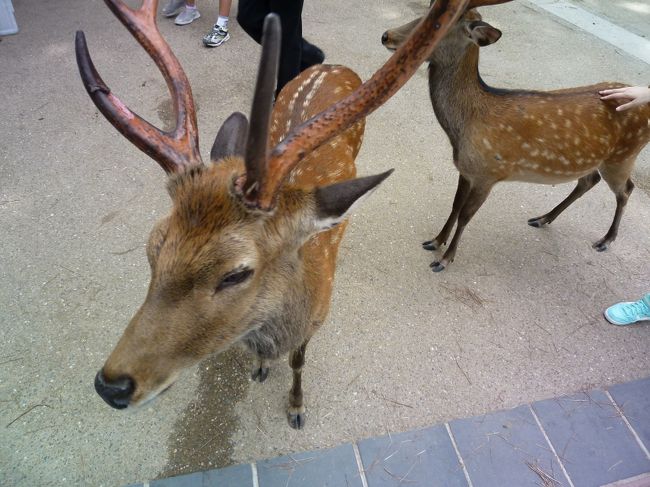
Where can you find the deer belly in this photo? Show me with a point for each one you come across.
(547, 174)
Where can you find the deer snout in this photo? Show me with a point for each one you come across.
(116, 392)
(389, 40)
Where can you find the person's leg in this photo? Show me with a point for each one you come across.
(290, 12)
(224, 8)
(250, 17)
(629, 312)
(311, 55)
(189, 13)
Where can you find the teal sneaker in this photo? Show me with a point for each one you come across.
(629, 312)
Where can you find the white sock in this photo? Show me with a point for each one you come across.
(222, 22)
(190, 7)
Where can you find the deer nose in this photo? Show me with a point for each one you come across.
(384, 37)
(117, 393)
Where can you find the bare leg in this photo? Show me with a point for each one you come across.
(296, 411)
(260, 370)
(477, 195)
(224, 7)
(622, 196)
(585, 183)
(461, 195)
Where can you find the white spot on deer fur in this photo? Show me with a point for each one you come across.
(560, 111)
(567, 123)
(534, 152)
(525, 146)
(312, 92)
(576, 140)
(295, 96)
(486, 143)
(553, 126)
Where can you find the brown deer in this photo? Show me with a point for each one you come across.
(518, 135)
(248, 252)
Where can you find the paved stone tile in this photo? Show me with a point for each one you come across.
(505, 448)
(638, 481)
(322, 468)
(191, 480)
(634, 400)
(235, 476)
(424, 457)
(591, 439)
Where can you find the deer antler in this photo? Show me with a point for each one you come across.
(267, 76)
(175, 150)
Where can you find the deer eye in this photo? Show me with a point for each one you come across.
(234, 278)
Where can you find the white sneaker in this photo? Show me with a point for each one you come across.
(216, 37)
(173, 7)
(187, 16)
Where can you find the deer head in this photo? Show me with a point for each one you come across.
(230, 248)
(469, 29)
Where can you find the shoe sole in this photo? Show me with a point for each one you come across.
(216, 44)
(189, 21)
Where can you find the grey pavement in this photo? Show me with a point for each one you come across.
(596, 438)
(516, 319)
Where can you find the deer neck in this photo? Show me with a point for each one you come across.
(457, 92)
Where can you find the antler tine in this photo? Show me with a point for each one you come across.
(175, 150)
(363, 101)
(258, 132)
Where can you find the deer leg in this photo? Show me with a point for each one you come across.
(461, 195)
(622, 195)
(476, 197)
(260, 369)
(585, 183)
(296, 411)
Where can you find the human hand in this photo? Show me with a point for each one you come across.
(634, 96)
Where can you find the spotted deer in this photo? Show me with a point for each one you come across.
(544, 137)
(248, 251)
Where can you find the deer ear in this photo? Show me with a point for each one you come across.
(231, 139)
(482, 33)
(336, 202)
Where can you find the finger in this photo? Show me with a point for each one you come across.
(627, 106)
(612, 90)
(616, 96)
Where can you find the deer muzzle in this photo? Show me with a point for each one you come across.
(117, 392)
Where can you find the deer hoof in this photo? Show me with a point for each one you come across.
(260, 374)
(296, 417)
(538, 222)
(430, 245)
(600, 246)
(437, 266)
